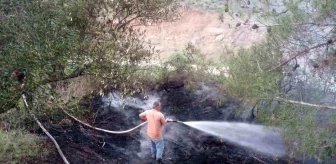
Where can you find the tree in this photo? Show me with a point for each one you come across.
(52, 41)
(295, 62)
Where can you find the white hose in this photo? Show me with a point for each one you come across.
(45, 131)
(104, 130)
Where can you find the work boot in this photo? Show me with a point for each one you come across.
(159, 161)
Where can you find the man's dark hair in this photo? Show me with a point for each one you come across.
(156, 104)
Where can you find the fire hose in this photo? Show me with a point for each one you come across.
(109, 131)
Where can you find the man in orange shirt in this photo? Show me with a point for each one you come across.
(155, 121)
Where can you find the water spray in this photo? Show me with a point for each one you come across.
(251, 136)
(262, 139)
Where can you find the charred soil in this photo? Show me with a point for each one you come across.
(182, 144)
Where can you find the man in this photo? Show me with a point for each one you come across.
(155, 121)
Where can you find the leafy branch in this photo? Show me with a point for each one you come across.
(301, 53)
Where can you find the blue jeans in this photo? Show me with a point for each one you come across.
(157, 147)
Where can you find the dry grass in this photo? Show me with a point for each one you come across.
(77, 87)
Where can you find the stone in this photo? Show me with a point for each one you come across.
(214, 30)
(219, 37)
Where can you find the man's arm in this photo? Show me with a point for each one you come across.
(163, 120)
(143, 116)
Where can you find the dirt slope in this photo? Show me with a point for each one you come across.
(204, 30)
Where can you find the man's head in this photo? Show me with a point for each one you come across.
(157, 105)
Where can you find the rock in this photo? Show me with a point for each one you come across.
(238, 24)
(220, 37)
(255, 26)
(215, 31)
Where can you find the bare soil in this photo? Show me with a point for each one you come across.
(203, 29)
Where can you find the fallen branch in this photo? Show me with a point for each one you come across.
(46, 132)
(297, 24)
(102, 130)
(304, 103)
(300, 53)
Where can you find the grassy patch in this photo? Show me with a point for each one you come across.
(18, 144)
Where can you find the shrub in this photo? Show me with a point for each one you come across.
(18, 144)
(248, 75)
(185, 67)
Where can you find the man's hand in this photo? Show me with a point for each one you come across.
(169, 120)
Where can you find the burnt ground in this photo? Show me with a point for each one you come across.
(183, 145)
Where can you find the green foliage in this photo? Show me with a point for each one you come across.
(303, 135)
(247, 72)
(17, 144)
(295, 26)
(16, 118)
(186, 66)
(190, 66)
(55, 41)
(58, 40)
(59, 43)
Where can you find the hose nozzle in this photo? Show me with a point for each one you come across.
(170, 120)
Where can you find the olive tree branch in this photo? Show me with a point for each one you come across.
(74, 74)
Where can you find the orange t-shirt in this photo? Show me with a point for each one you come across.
(155, 121)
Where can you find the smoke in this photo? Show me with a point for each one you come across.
(131, 107)
(180, 141)
(174, 135)
(118, 102)
(205, 92)
(127, 105)
(144, 144)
